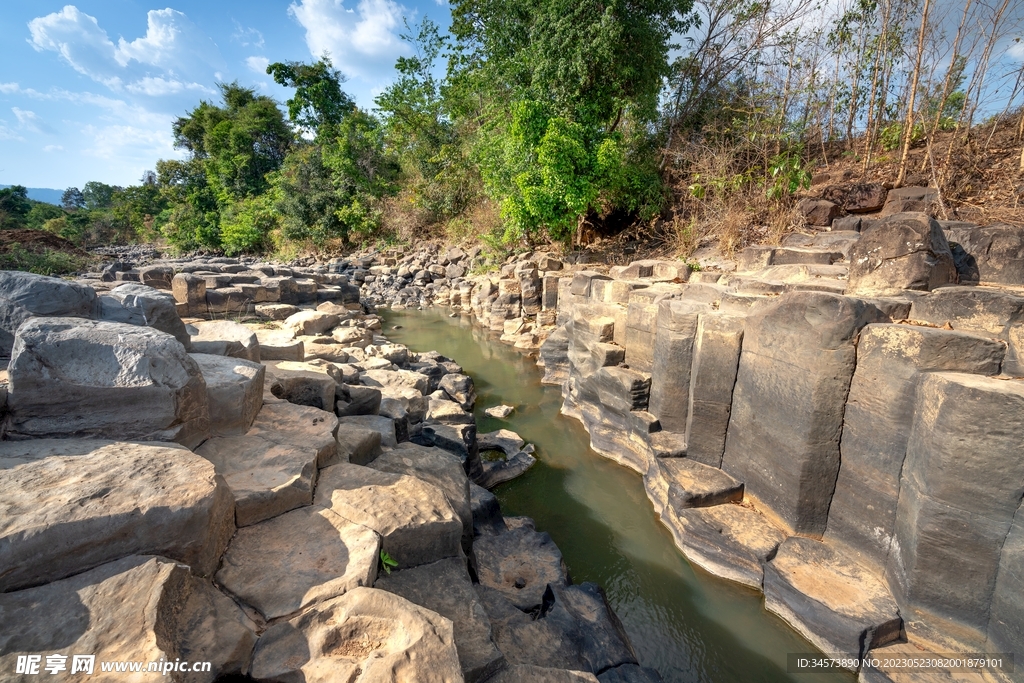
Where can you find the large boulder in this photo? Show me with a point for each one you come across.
(415, 520)
(310, 322)
(716, 358)
(75, 377)
(308, 555)
(137, 304)
(818, 212)
(234, 389)
(72, 504)
(1006, 626)
(137, 609)
(25, 295)
(190, 292)
(904, 251)
(990, 254)
(445, 587)
(367, 635)
(787, 417)
(225, 338)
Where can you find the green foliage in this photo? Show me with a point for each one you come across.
(319, 104)
(387, 563)
(246, 226)
(49, 262)
(40, 213)
(14, 207)
(191, 219)
(788, 174)
(72, 199)
(239, 143)
(99, 195)
(891, 136)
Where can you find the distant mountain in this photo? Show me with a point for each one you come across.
(42, 194)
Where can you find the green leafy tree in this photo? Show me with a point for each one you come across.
(98, 195)
(14, 207)
(319, 104)
(191, 219)
(72, 199)
(247, 225)
(40, 213)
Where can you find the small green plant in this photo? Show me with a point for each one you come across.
(788, 174)
(891, 136)
(387, 563)
(694, 266)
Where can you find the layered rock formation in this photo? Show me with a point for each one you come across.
(836, 422)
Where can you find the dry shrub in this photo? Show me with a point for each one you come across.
(720, 200)
(403, 218)
(479, 218)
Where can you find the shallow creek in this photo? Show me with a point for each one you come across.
(685, 623)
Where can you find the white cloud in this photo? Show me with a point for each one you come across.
(257, 64)
(8, 88)
(125, 143)
(29, 120)
(247, 36)
(363, 42)
(1016, 51)
(173, 43)
(7, 133)
(156, 87)
(53, 148)
(78, 38)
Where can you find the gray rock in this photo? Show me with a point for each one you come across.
(487, 517)
(460, 388)
(444, 587)
(137, 304)
(833, 601)
(672, 359)
(308, 555)
(415, 520)
(583, 612)
(146, 609)
(25, 295)
(496, 472)
(904, 251)
(234, 390)
(817, 211)
(716, 357)
(72, 504)
(519, 564)
(880, 407)
(190, 290)
(525, 673)
(358, 445)
(74, 377)
(381, 424)
(990, 254)
(225, 338)
(1006, 625)
(953, 515)
(368, 635)
(787, 416)
(361, 401)
(302, 384)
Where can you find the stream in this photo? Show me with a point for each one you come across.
(690, 626)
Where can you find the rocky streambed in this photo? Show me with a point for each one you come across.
(290, 500)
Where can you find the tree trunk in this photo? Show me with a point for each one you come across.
(908, 127)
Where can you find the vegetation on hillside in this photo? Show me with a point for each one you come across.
(689, 121)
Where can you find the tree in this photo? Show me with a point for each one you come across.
(319, 104)
(99, 195)
(14, 207)
(239, 143)
(72, 199)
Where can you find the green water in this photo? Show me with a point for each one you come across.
(685, 623)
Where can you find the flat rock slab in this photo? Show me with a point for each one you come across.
(366, 635)
(445, 587)
(730, 541)
(583, 611)
(524, 673)
(502, 411)
(305, 386)
(74, 377)
(305, 556)
(272, 468)
(135, 609)
(434, 466)
(682, 483)
(520, 564)
(831, 599)
(415, 520)
(279, 345)
(504, 440)
(381, 424)
(499, 471)
(68, 505)
(234, 390)
(225, 338)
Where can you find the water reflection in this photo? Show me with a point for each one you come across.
(688, 625)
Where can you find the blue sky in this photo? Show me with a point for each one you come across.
(88, 90)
